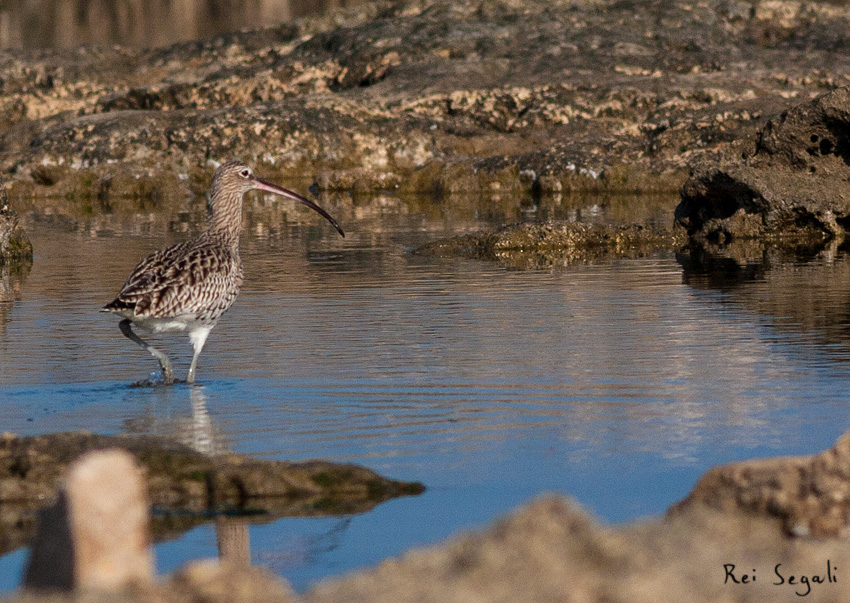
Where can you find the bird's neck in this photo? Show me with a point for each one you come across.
(225, 218)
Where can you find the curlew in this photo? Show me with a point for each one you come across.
(188, 286)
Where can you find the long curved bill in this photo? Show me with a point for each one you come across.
(277, 190)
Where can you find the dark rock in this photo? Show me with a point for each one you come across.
(792, 179)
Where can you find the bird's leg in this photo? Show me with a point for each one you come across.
(164, 364)
(198, 337)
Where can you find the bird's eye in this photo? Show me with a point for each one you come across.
(245, 173)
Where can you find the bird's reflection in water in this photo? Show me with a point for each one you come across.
(231, 534)
(199, 432)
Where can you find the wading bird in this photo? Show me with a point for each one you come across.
(188, 286)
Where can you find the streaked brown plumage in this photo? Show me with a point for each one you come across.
(188, 286)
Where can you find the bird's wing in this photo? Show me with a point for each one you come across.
(168, 283)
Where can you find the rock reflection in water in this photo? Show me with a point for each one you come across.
(12, 277)
(67, 23)
(233, 539)
(199, 433)
(804, 290)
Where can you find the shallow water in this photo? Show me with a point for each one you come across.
(617, 383)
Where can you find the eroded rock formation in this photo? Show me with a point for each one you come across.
(423, 95)
(791, 179)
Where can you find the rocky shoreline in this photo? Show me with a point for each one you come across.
(507, 98)
(421, 95)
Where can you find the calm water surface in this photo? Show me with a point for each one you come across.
(616, 383)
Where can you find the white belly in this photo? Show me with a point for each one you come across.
(169, 325)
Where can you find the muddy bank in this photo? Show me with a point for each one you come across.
(185, 487)
(422, 95)
(733, 523)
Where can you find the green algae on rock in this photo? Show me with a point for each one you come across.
(181, 477)
(536, 244)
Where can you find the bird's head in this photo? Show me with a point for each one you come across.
(235, 178)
